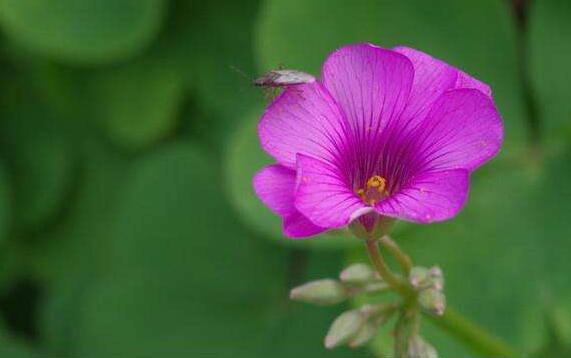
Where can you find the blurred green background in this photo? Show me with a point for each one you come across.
(128, 226)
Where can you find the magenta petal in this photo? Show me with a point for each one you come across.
(303, 119)
(428, 197)
(298, 226)
(370, 84)
(275, 186)
(466, 81)
(462, 130)
(323, 194)
(432, 78)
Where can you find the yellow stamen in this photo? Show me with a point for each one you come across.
(377, 182)
(374, 191)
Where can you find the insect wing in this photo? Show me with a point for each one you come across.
(280, 78)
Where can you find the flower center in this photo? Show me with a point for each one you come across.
(374, 191)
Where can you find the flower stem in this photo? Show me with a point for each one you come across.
(403, 259)
(472, 335)
(394, 281)
(400, 337)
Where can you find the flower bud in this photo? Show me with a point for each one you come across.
(345, 327)
(422, 278)
(436, 278)
(375, 287)
(357, 274)
(417, 275)
(433, 301)
(419, 348)
(365, 334)
(321, 292)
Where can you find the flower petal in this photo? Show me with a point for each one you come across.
(466, 81)
(371, 85)
(428, 197)
(275, 186)
(323, 195)
(462, 130)
(298, 226)
(303, 119)
(432, 77)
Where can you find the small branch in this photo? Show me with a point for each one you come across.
(520, 9)
(395, 282)
(403, 259)
(400, 337)
(472, 335)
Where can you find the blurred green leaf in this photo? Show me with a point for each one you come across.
(299, 331)
(550, 53)
(558, 334)
(144, 318)
(219, 75)
(134, 103)
(137, 102)
(213, 42)
(5, 203)
(11, 347)
(74, 255)
(83, 31)
(477, 37)
(38, 154)
(173, 221)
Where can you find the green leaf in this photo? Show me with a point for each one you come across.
(299, 331)
(173, 221)
(213, 42)
(550, 55)
(145, 318)
(38, 154)
(133, 317)
(69, 259)
(5, 202)
(12, 347)
(83, 31)
(137, 103)
(220, 63)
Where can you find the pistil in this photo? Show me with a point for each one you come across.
(374, 190)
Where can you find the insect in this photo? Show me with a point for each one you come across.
(271, 82)
(281, 78)
(274, 80)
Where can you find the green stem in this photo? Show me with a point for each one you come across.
(395, 282)
(403, 259)
(400, 337)
(472, 335)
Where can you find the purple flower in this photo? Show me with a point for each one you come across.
(389, 133)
